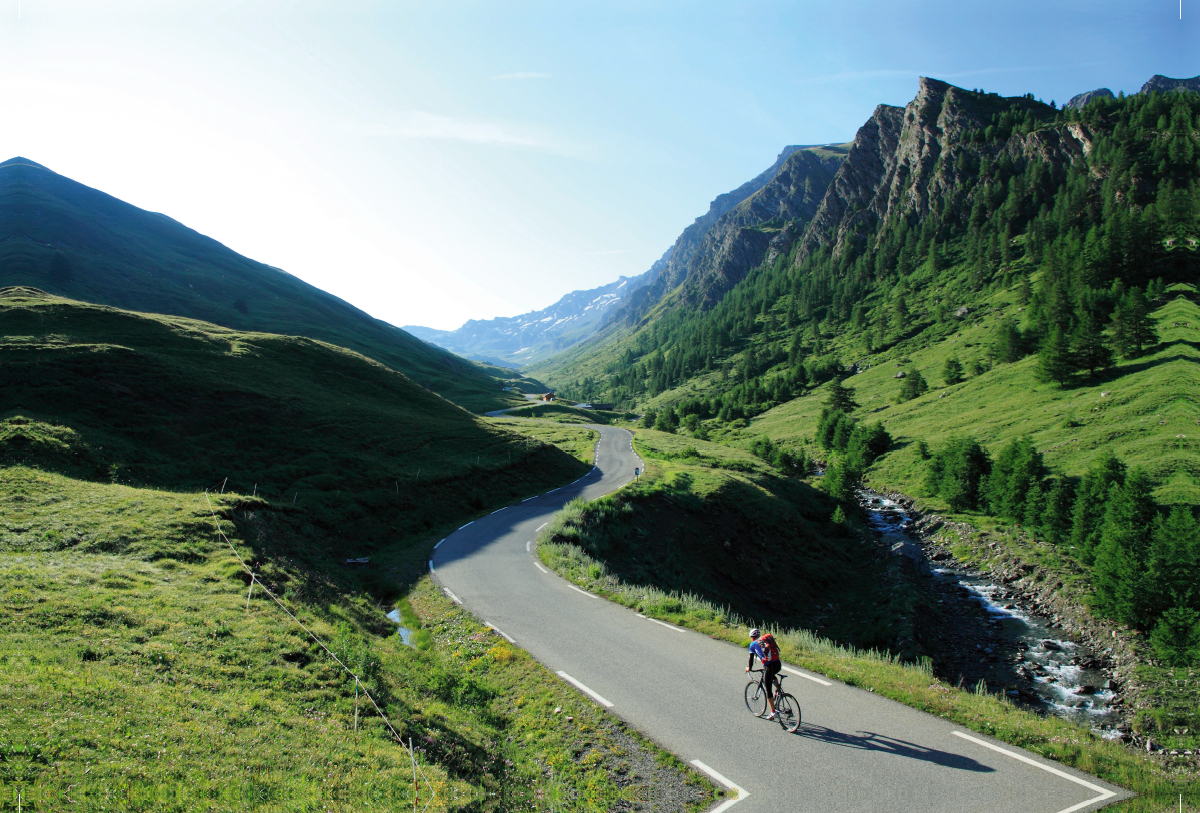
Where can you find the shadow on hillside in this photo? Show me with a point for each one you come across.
(870, 741)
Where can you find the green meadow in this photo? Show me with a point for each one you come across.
(1144, 410)
(140, 671)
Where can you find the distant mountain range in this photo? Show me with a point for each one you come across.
(724, 242)
(513, 341)
(1157, 82)
(65, 238)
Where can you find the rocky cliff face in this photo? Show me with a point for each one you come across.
(918, 159)
(762, 227)
(1080, 101)
(755, 222)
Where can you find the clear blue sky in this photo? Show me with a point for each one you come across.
(432, 162)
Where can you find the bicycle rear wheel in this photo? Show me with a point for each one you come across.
(789, 712)
(756, 698)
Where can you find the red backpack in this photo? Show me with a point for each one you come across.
(769, 648)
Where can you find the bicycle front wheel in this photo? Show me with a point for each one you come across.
(756, 698)
(789, 712)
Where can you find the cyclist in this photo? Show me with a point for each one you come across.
(767, 652)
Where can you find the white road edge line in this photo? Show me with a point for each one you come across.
(438, 545)
(742, 793)
(534, 497)
(453, 597)
(584, 689)
(502, 633)
(430, 565)
(539, 567)
(543, 525)
(798, 673)
(527, 544)
(577, 590)
(460, 527)
(1104, 794)
(662, 623)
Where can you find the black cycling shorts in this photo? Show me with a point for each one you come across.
(770, 670)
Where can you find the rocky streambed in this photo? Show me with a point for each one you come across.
(1000, 627)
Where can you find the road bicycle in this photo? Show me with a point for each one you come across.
(787, 708)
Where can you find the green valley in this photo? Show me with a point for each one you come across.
(1009, 291)
(144, 668)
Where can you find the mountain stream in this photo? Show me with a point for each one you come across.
(1004, 645)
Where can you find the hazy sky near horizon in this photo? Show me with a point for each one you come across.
(438, 162)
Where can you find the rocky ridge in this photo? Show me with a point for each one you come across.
(742, 228)
(1164, 84)
(1080, 101)
(919, 159)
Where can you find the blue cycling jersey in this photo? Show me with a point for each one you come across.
(766, 654)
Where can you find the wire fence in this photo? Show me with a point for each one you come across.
(358, 684)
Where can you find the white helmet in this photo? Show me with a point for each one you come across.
(754, 633)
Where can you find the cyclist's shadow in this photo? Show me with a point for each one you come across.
(869, 741)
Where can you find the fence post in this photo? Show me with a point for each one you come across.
(413, 756)
(356, 702)
(248, 592)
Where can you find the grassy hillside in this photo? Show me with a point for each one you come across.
(577, 441)
(98, 393)
(710, 525)
(1145, 410)
(134, 675)
(70, 240)
(563, 413)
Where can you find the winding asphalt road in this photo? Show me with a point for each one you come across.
(856, 751)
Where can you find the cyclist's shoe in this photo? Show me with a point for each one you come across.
(773, 715)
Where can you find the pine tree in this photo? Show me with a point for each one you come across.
(1174, 563)
(900, 314)
(957, 471)
(1121, 332)
(1056, 519)
(913, 386)
(1143, 330)
(952, 372)
(840, 398)
(1006, 344)
(935, 257)
(1025, 291)
(1090, 500)
(1124, 544)
(1016, 472)
(1054, 359)
(1092, 352)
(1035, 508)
